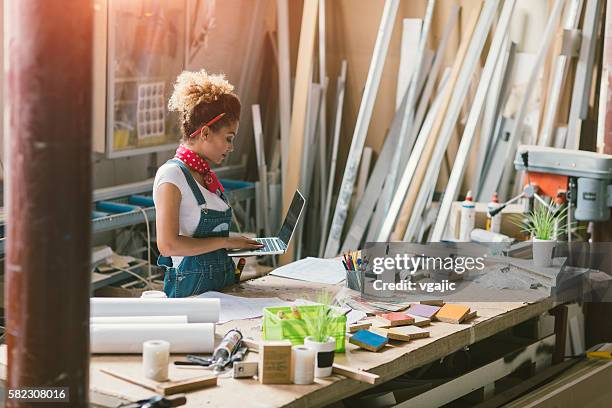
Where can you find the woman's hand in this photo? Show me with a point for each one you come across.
(242, 243)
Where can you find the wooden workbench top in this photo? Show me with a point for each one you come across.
(392, 361)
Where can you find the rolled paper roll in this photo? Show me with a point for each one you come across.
(153, 294)
(303, 363)
(155, 354)
(137, 319)
(190, 338)
(197, 310)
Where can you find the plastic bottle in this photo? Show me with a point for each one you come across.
(493, 223)
(468, 218)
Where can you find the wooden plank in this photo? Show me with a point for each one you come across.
(487, 139)
(261, 166)
(413, 174)
(558, 79)
(364, 171)
(515, 137)
(375, 184)
(604, 124)
(361, 127)
(432, 76)
(405, 141)
(298, 115)
(359, 375)
(454, 182)
(308, 157)
(341, 86)
(411, 34)
(323, 81)
(284, 78)
(584, 74)
(166, 387)
(426, 189)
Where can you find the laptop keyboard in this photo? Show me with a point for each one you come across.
(270, 245)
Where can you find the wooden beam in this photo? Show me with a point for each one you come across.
(604, 125)
(584, 74)
(284, 78)
(340, 88)
(405, 142)
(469, 133)
(515, 137)
(362, 125)
(303, 74)
(413, 174)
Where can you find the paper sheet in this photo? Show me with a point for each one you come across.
(237, 308)
(318, 270)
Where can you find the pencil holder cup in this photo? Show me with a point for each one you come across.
(354, 279)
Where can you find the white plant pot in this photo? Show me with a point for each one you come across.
(543, 252)
(324, 358)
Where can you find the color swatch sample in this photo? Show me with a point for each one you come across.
(420, 321)
(423, 310)
(452, 313)
(397, 319)
(355, 327)
(407, 332)
(368, 340)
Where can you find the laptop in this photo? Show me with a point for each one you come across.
(278, 245)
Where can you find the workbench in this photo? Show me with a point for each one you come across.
(393, 361)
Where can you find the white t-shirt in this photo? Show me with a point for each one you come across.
(189, 212)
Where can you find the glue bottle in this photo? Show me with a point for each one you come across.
(468, 218)
(493, 222)
(225, 349)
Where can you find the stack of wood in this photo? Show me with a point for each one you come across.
(457, 121)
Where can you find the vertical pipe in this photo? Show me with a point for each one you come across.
(48, 61)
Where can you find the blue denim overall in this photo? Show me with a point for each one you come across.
(209, 271)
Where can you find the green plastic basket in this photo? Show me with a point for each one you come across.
(295, 330)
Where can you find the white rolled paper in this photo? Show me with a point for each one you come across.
(137, 319)
(128, 339)
(153, 294)
(197, 310)
(303, 363)
(155, 355)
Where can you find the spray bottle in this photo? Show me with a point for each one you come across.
(493, 222)
(468, 218)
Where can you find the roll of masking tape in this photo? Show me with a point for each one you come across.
(155, 355)
(303, 364)
(153, 294)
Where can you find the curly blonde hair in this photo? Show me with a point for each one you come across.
(199, 97)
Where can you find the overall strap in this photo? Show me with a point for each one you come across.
(191, 181)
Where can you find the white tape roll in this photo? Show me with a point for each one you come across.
(128, 338)
(137, 319)
(303, 364)
(155, 354)
(197, 310)
(153, 294)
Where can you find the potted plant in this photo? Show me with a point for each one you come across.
(320, 324)
(542, 224)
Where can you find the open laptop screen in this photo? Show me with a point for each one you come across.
(291, 220)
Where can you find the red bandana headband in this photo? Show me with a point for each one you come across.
(210, 122)
(197, 163)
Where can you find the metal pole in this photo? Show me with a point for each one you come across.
(48, 102)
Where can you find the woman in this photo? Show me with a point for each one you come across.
(193, 217)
